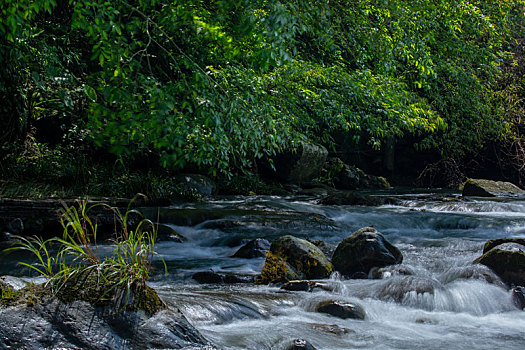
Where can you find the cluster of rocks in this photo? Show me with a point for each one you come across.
(292, 258)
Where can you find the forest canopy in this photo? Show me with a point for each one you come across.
(220, 84)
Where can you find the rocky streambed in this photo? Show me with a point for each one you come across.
(425, 293)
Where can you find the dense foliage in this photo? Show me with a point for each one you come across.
(219, 84)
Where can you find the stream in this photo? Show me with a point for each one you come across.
(436, 299)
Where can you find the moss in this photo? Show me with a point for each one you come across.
(276, 270)
(88, 287)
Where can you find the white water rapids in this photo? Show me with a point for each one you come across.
(436, 299)
(444, 303)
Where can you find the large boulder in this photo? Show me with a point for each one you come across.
(34, 319)
(292, 258)
(365, 249)
(489, 188)
(298, 165)
(507, 260)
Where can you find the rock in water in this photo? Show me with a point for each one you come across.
(300, 344)
(489, 188)
(52, 323)
(518, 297)
(341, 309)
(363, 250)
(306, 258)
(256, 248)
(292, 258)
(507, 260)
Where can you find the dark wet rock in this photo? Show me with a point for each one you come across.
(425, 320)
(205, 277)
(507, 260)
(489, 188)
(196, 183)
(297, 286)
(399, 287)
(341, 309)
(256, 248)
(327, 248)
(475, 271)
(297, 166)
(168, 233)
(350, 198)
(518, 297)
(54, 324)
(77, 317)
(332, 329)
(495, 242)
(389, 271)
(363, 250)
(304, 257)
(299, 344)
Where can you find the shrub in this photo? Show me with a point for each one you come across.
(77, 271)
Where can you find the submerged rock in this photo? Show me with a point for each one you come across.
(518, 297)
(363, 250)
(389, 271)
(300, 344)
(507, 260)
(168, 233)
(256, 248)
(398, 288)
(38, 320)
(211, 277)
(489, 188)
(341, 309)
(469, 272)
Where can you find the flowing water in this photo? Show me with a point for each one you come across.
(435, 300)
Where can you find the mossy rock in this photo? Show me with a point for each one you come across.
(489, 188)
(294, 258)
(94, 290)
(507, 260)
(365, 249)
(496, 242)
(276, 270)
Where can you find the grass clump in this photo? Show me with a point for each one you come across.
(75, 269)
